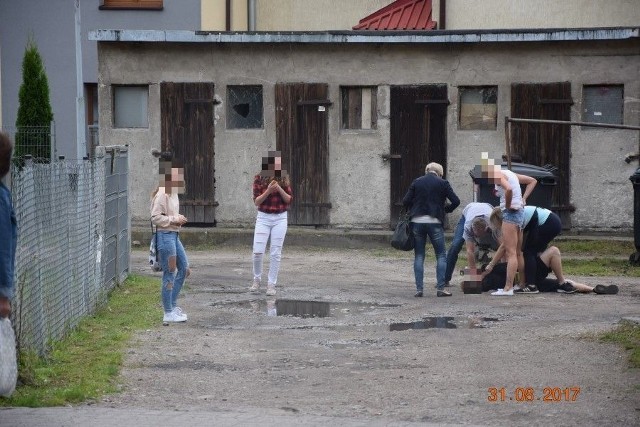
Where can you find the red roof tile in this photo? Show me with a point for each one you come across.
(400, 15)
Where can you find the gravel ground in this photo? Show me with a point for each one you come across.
(234, 355)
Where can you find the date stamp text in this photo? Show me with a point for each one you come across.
(529, 394)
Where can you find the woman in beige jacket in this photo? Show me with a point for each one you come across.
(165, 215)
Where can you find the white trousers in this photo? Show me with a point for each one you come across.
(274, 226)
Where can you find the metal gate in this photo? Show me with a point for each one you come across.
(117, 230)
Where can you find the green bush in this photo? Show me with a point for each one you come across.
(33, 124)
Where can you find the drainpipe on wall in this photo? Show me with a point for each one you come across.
(81, 130)
(251, 15)
(443, 15)
(228, 14)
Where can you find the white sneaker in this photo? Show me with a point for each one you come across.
(501, 292)
(255, 287)
(271, 289)
(173, 317)
(179, 311)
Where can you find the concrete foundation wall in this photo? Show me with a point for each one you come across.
(359, 176)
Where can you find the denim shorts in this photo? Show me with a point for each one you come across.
(513, 217)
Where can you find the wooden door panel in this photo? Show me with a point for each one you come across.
(542, 144)
(188, 131)
(302, 137)
(418, 136)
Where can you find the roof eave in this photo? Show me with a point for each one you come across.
(387, 36)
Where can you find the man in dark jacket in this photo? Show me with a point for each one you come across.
(426, 203)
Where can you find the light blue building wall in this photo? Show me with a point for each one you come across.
(51, 23)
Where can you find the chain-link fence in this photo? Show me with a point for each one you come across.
(62, 245)
(39, 142)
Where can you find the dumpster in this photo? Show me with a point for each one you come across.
(541, 195)
(635, 180)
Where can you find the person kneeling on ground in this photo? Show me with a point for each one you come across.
(473, 231)
(548, 261)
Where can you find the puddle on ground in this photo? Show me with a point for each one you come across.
(444, 322)
(305, 309)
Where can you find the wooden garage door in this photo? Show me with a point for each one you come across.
(301, 135)
(188, 131)
(542, 144)
(418, 136)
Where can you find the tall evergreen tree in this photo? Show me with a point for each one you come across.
(34, 111)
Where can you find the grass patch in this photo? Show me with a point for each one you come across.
(628, 336)
(603, 248)
(85, 365)
(604, 257)
(599, 267)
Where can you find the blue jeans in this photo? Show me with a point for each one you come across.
(454, 249)
(169, 245)
(435, 232)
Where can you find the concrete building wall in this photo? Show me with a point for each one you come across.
(52, 25)
(319, 15)
(359, 177)
(505, 14)
(214, 16)
(313, 15)
(52, 30)
(176, 15)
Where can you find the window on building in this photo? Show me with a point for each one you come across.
(244, 107)
(91, 104)
(130, 106)
(131, 4)
(359, 107)
(603, 104)
(478, 107)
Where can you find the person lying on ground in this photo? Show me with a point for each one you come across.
(548, 261)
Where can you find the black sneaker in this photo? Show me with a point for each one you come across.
(566, 288)
(443, 293)
(528, 289)
(606, 290)
(418, 294)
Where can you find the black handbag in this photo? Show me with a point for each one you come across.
(402, 238)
